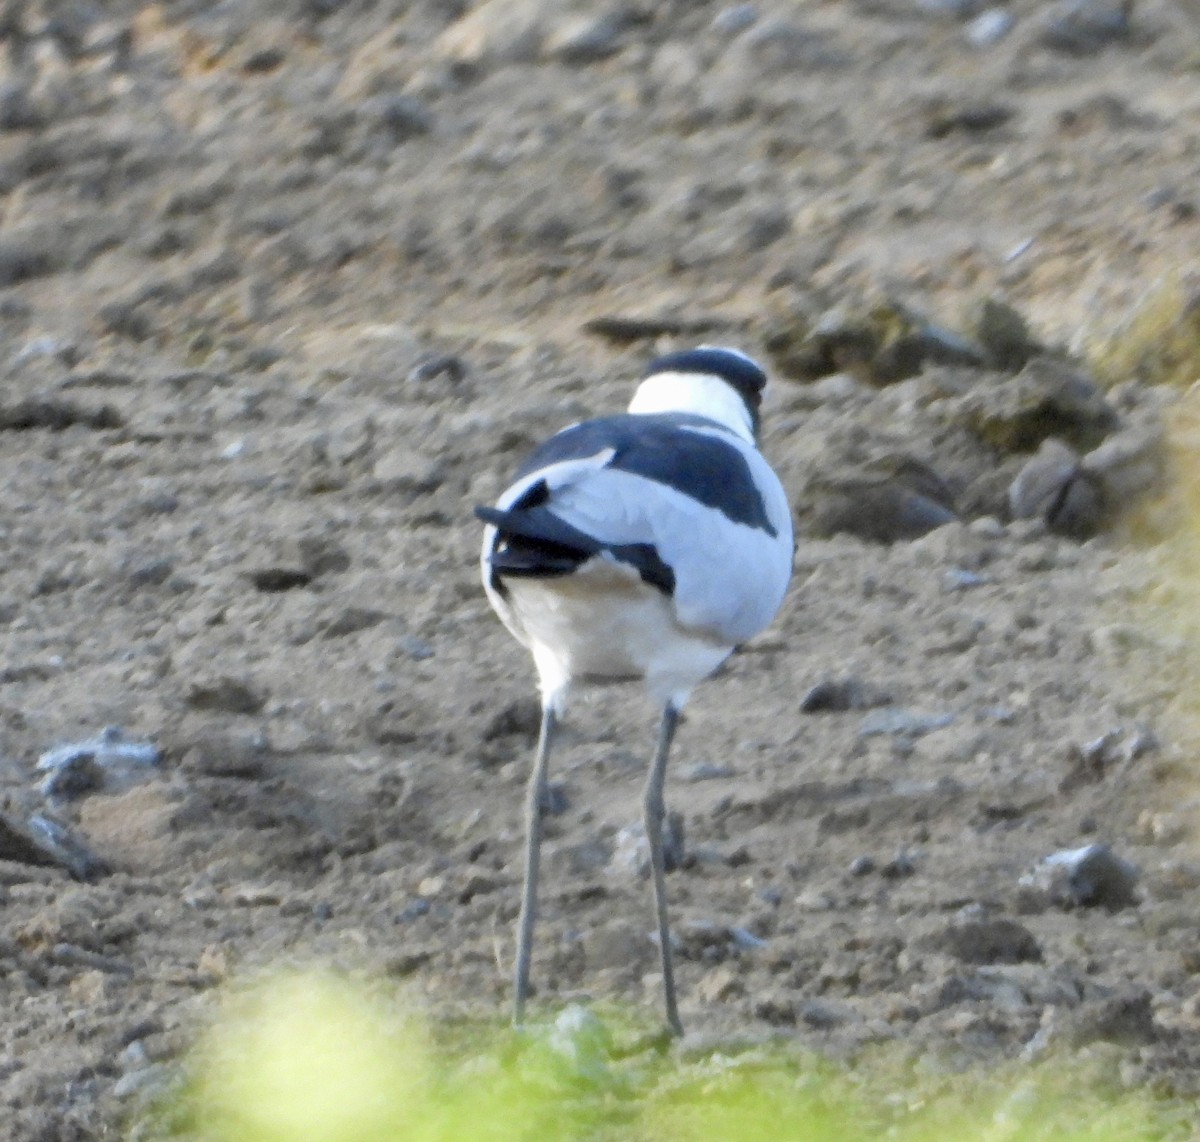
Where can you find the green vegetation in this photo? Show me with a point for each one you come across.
(315, 1058)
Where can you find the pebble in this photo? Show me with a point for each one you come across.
(154, 1078)
(910, 723)
(228, 695)
(958, 579)
(1086, 27)
(836, 695)
(398, 116)
(582, 1042)
(109, 760)
(734, 20)
(631, 852)
(706, 771)
(720, 985)
(1002, 330)
(587, 39)
(1054, 487)
(999, 940)
(990, 27)
(1086, 877)
(1048, 397)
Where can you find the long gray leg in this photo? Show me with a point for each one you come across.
(655, 810)
(535, 794)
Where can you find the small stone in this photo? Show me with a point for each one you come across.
(631, 853)
(1092, 876)
(352, 620)
(446, 366)
(1047, 398)
(732, 21)
(990, 27)
(587, 39)
(1054, 487)
(1002, 330)
(227, 695)
(910, 723)
(821, 1015)
(143, 1082)
(995, 941)
(19, 111)
(583, 1043)
(616, 945)
(399, 117)
(1086, 27)
(706, 771)
(494, 33)
(109, 760)
(862, 866)
(721, 985)
(891, 499)
(836, 695)
(1125, 1018)
(555, 801)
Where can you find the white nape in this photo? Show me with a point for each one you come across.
(701, 394)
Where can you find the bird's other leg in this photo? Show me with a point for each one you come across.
(655, 810)
(535, 795)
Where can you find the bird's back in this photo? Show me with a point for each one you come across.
(633, 540)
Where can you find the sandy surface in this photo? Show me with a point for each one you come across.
(287, 288)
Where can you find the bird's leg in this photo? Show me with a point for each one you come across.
(535, 795)
(655, 810)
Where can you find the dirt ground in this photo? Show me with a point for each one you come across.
(286, 288)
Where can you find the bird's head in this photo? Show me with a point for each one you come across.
(712, 381)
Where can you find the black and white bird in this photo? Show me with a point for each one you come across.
(643, 546)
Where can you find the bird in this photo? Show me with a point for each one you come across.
(644, 546)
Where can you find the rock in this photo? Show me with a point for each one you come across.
(705, 941)
(946, 117)
(495, 33)
(220, 753)
(43, 841)
(909, 723)
(1054, 487)
(1129, 464)
(1086, 27)
(836, 695)
(631, 854)
(1126, 1018)
(990, 27)
(1092, 876)
(1003, 333)
(616, 945)
(398, 117)
(1049, 397)
(447, 366)
(734, 20)
(720, 985)
(583, 1043)
(706, 771)
(109, 761)
(227, 695)
(19, 110)
(56, 414)
(587, 38)
(521, 717)
(277, 578)
(351, 620)
(891, 499)
(992, 941)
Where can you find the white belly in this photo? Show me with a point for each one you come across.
(604, 623)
